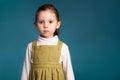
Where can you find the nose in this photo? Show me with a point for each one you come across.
(45, 25)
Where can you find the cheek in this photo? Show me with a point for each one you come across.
(39, 28)
(53, 29)
(38, 25)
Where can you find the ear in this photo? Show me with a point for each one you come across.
(35, 25)
(58, 24)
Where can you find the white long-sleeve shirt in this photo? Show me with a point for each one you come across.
(65, 59)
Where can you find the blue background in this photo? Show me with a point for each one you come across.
(91, 28)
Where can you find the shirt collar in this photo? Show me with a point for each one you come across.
(53, 40)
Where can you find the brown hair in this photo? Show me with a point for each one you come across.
(48, 7)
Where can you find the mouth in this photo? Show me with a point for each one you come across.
(45, 31)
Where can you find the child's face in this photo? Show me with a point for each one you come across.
(47, 23)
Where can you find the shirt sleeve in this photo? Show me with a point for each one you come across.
(67, 64)
(27, 63)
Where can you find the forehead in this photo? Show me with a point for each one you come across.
(47, 13)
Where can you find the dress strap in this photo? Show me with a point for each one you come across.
(60, 43)
(34, 43)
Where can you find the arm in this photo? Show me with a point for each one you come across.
(27, 63)
(67, 65)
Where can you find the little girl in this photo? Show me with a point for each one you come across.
(47, 58)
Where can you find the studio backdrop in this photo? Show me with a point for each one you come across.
(91, 29)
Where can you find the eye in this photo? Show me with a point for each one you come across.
(40, 22)
(50, 21)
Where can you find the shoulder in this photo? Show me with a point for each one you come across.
(30, 43)
(64, 50)
(64, 45)
(29, 46)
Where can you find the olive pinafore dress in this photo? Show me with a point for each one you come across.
(45, 65)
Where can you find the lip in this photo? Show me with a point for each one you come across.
(46, 31)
